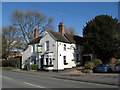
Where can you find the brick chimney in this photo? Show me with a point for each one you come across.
(36, 33)
(61, 28)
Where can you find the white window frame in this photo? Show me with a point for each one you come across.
(47, 48)
(64, 47)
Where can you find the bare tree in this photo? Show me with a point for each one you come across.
(71, 30)
(11, 40)
(27, 21)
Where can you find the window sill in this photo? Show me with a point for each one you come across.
(65, 63)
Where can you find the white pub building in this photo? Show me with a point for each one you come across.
(54, 50)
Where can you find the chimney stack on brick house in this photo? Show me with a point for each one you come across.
(36, 33)
(61, 28)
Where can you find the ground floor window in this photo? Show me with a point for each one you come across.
(49, 61)
(77, 57)
(64, 59)
(46, 61)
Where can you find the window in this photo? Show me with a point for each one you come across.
(64, 59)
(77, 57)
(64, 47)
(50, 61)
(47, 46)
(71, 47)
(46, 61)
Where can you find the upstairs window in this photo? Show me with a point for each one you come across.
(64, 47)
(47, 46)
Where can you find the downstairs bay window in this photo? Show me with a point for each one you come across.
(48, 60)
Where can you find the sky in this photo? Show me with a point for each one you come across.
(75, 14)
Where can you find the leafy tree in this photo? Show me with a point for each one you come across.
(102, 37)
(27, 21)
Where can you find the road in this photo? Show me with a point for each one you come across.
(22, 80)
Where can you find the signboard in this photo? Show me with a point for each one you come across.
(39, 49)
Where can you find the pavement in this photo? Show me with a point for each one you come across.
(15, 79)
(101, 78)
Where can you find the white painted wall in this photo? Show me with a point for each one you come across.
(28, 52)
(68, 53)
(52, 48)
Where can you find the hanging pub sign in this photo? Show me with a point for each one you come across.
(39, 49)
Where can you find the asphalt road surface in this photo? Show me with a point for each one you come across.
(22, 80)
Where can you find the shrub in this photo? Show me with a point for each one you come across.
(97, 62)
(34, 67)
(89, 65)
(87, 71)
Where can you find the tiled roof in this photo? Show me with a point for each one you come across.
(36, 40)
(68, 38)
(58, 36)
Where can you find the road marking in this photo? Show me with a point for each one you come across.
(7, 77)
(34, 85)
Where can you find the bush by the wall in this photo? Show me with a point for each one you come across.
(89, 65)
(34, 67)
(97, 62)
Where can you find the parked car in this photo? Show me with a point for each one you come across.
(116, 68)
(103, 68)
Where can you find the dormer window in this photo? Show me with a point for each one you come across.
(47, 46)
(64, 47)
